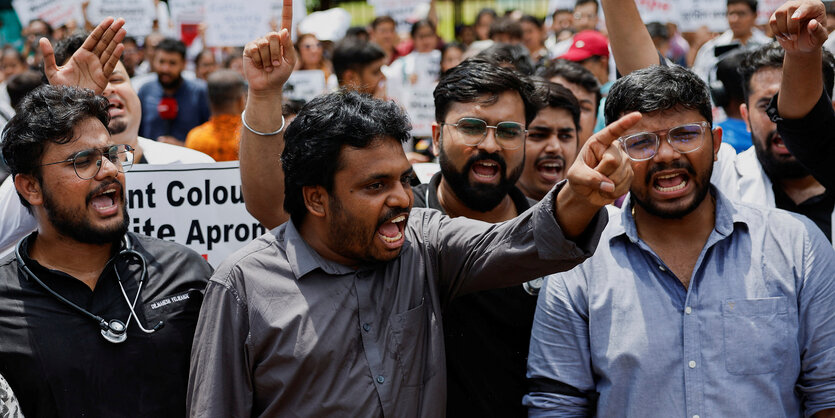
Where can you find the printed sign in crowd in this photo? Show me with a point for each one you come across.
(198, 205)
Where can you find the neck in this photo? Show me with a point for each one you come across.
(314, 232)
(693, 228)
(744, 38)
(802, 189)
(454, 207)
(84, 262)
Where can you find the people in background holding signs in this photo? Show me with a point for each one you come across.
(104, 316)
(680, 262)
(383, 32)
(125, 114)
(172, 105)
(352, 229)
(219, 136)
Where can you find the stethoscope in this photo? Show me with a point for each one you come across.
(114, 331)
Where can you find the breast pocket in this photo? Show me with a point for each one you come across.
(755, 334)
(409, 335)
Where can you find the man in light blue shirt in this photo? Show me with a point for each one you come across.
(693, 305)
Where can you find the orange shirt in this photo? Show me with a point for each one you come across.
(219, 137)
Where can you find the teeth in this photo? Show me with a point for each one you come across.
(552, 165)
(392, 239)
(667, 176)
(398, 219)
(672, 189)
(488, 163)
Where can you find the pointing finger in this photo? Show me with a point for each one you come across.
(287, 15)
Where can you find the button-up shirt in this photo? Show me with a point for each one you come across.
(753, 335)
(287, 333)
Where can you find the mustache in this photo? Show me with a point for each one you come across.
(481, 156)
(674, 165)
(393, 213)
(104, 186)
(549, 157)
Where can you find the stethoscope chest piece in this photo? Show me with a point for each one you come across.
(115, 332)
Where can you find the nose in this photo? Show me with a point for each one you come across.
(400, 197)
(553, 146)
(107, 168)
(665, 152)
(489, 143)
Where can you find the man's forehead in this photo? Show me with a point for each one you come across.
(666, 119)
(489, 108)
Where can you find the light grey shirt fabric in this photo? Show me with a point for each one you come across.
(284, 332)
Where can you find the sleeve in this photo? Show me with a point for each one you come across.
(220, 382)
(816, 318)
(474, 255)
(811, 138)
(16, 221)
(559, 362)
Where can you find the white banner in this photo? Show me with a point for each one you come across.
(139, 15)
(399, 10)
(411, 81)
(234, 24)
(698, 13)
(305, 85)
(198, 205)
(662, 11)
(187, 11)
(766, 8)
(54, 12)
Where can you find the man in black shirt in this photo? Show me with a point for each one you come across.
(94, 321)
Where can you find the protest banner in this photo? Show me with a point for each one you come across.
(187, 11)
(662, 11)
(698, 13)
(234, 24)
(411, 81)
(54, 12)
(399, 10)
(198, 205)
(139, 15)
(305, 85)
(554, 5)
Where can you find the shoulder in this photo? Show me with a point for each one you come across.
(263, 256)
(162, 153)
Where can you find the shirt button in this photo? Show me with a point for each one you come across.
(381, 379)
(688, 310)
(660, 267)
(692, 364)
(366, 327)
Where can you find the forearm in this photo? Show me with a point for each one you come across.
(801, 85)
(573, 213)
(631, 44)
(260, 157)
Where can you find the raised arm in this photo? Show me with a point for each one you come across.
(89, 67)
(799, 26)
(631, 44)
(268, 62)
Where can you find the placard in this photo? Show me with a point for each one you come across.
(198, 205)
(411, 81)
(662, 11)
(187, 11)
(54, 12)
(402, 11)
(139, 15)
(305, 85)
(234, 24)
(698, 13)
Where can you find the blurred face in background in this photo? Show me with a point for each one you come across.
(482, 26)
(310, 52)
(532, 36)
(384, 35)
(585, 17)
(452, 56)
(741, 19)
(425, 39)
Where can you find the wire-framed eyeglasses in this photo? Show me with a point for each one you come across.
(509, 135)
(87, 163)
(685, 138)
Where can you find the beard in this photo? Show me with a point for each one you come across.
(701, 183)
(73, 224)
(353, 240)
(171, 85)
(479, 197)
(776, 167)
(117, 125)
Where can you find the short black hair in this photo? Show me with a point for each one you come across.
(559, 11)
(658, 30)
(752, 4)
(357, 32)
(421, 23)
(172, 45)
(47, 114)
(19, 85)
(485, 11)
(200, 55)
(532, 20)
(574, 73)
(506, 26)
(658, 88)
(67, 46)
(379, 20)
(557, 96)
(771, 56)
(225, 87)
(474, 78)
(320, 131)
(354, 54)
(516, 56)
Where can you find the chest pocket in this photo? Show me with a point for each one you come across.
(755, 334)
(408, 332)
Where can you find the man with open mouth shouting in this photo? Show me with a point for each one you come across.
(338, 311)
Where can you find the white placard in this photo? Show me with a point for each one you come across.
(231, 23)
(54, 12)
(198, 205)
(187, 11)
(554, 5)
(662, 11)
(698, 13)
(766, 8)
(139, 15)
(305, 85)
(411, 81)
(400, 10)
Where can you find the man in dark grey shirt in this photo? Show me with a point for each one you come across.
(338, 312)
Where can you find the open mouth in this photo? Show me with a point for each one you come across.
(105, 203)
(391, 231)
(778, 146)
(485, 170)
(551, 169)
(670, 183)
(116, 108)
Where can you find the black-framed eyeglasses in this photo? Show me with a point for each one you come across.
(686, 138)
(87, 163)
(509, 135)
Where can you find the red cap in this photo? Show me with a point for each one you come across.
(587, 44)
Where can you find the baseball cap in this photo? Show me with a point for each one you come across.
(587, 44)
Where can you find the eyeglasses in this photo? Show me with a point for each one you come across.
(87, 163)
(643, 146)
(509, 135)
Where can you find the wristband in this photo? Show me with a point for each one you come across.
(243, 120)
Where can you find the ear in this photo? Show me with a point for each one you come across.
(717, 141)
(30, 188)
(743, 111)
(436, 138)
(350, 78)
(314, 199)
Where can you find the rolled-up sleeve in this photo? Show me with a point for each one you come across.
(559, 362)
(816, 336)
(220, 383)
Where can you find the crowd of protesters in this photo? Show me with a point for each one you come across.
(618, 219)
